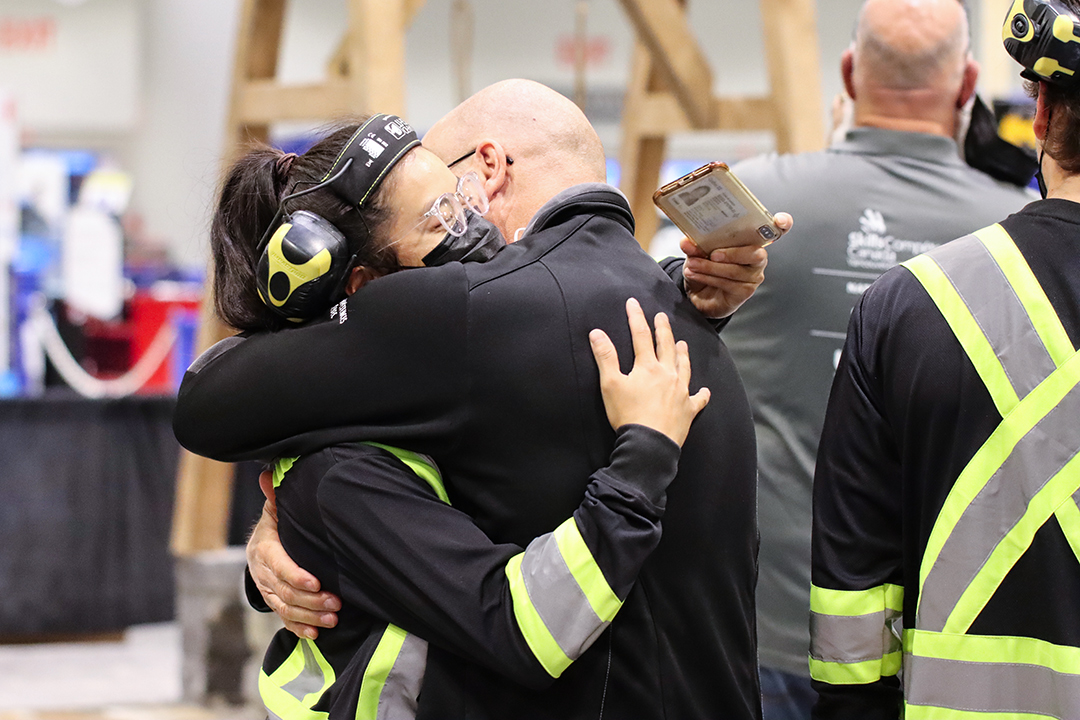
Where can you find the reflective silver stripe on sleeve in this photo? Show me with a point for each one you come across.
(311, 679)
(398, 700)
(994, 688)
(997, 508)
(853, 639)
(998, 311)
(558, 599)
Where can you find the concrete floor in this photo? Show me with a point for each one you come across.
(136, 678)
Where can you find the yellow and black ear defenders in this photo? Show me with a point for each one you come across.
(305, 261)
(1044, 37)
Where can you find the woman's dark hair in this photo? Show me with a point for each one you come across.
(249, 198)
(1062, 141)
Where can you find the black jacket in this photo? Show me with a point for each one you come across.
(488, 369)
(907, 413)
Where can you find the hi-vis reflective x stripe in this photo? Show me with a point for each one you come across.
(1026, 472)
(393, 677)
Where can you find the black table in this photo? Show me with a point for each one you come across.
(86, 502)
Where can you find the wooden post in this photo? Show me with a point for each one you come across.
(644, 144)
(671, 91)
(791, 49)
(366, 74)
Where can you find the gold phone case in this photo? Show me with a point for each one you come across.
(715, 209)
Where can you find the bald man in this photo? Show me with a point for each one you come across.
(503, 393)
(893, 187)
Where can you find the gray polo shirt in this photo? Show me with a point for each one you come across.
(865, 204)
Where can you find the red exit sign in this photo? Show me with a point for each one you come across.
(27, 34)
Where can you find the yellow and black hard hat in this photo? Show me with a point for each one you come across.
(1044, 37)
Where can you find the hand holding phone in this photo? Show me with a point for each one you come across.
(716, 210)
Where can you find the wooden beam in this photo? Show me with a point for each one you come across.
(203, 500)
(264, 101)
(660, 114)
(662, 27)
(643, 148)
(256, 58)
(375, 53)
(204, 487)
(792, 54)
(338, 66)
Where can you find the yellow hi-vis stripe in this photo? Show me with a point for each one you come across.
(860, 673)
(605, 603)
(282, 466)
(1053, 495)
(851, 603)
(540, 640)
(966, 330)
(281, 703)
(926, 712)
(993, 453)
(419, 465)
(1031, 294)
(377, 671)
(1003, 649)
(1068, 517)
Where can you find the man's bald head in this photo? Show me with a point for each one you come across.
(529, 143)
(530, 120)
(912, 44)
(910, 61)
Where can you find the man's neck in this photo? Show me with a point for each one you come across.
(930, 127)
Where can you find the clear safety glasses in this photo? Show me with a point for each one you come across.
(449, 208)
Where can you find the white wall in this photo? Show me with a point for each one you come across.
(72, 65)
(175, 152)
(174, 144)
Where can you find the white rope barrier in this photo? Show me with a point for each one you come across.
(84, 383)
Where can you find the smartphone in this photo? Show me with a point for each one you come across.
(715, 209)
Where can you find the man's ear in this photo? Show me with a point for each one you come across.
(847, 71)
(967, 86)
(359, 276)
(1042, 115)
(491, 163)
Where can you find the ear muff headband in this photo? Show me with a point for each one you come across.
(304, 263)
(1044, 37)
(374, 150)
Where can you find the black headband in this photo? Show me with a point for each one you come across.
(374, 149)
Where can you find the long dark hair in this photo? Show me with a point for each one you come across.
(250, 195)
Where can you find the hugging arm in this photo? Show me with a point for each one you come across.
(413, 560)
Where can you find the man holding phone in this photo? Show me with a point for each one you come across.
(894, 187)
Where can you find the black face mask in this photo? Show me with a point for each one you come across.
(479, 243)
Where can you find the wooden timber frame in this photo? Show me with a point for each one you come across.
(366, 74)
(671, 90)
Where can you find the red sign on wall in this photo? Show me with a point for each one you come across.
(596, 50)
(23, 34)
